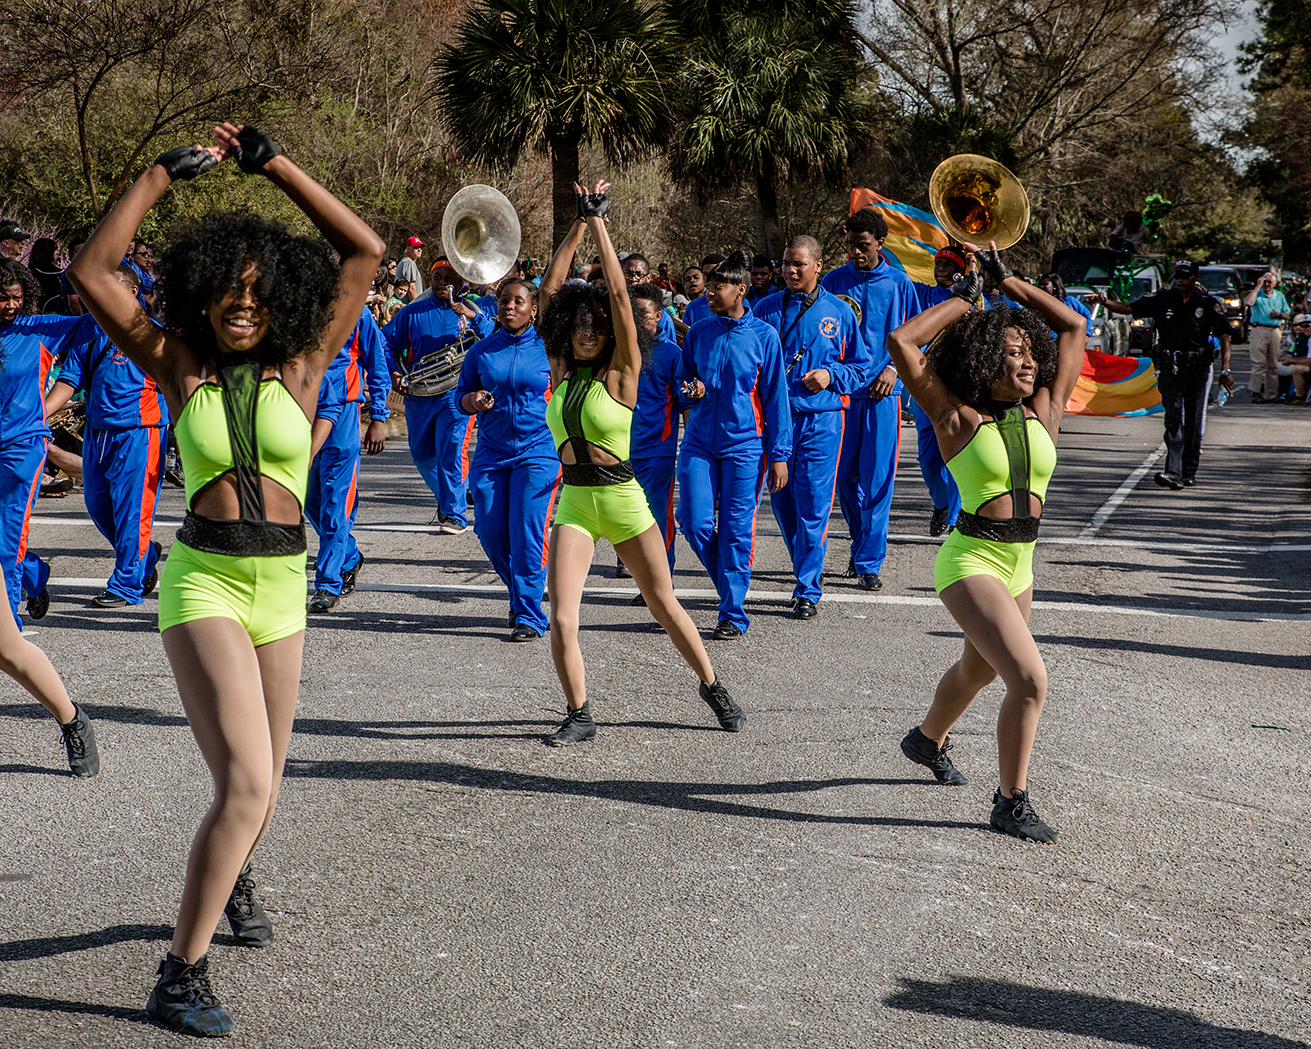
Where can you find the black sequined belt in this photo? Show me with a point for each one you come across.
(597, 475)
(1007, 530)
(211, 535)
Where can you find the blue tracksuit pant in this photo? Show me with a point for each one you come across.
(331, 501)
(717, 504)
(123, 471)
(867, 470)
(656, 476)
(804, 507)
(941, 485)
(512, 501)
(21, 463)
(439, 441)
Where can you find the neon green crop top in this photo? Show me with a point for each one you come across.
(982, 467)
(595, 417)
(281, 437)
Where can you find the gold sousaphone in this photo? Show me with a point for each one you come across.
(978, 200)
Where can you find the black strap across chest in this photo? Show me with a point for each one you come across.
(810, 301)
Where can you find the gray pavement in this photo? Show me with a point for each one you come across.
(438, 877)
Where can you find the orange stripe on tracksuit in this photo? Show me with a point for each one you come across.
(149, 490)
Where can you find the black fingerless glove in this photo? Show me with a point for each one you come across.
(990, 263)
(593, 205)
(254, 149)
(968, 286)
(186, 162)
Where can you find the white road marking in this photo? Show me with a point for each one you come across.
(1121, 494)
(784, 597)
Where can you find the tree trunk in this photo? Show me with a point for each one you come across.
(771, 235)
(564, 173)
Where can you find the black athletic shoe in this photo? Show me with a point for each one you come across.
(850, 573)
(731, 718)
(1015, 816)
(152, 580)
(578, 726)
(804, 608)
(183, 1000)
(938, 522)
(724, 631)
(80, 745)
(38, 606)
(109, 599)
(869, 581)
(348, 577)
(638, 602)
(250, 925)
(323, 601)
(621, 571)
(523, 633)
(923, 751)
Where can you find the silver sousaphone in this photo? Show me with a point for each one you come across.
(481, 235)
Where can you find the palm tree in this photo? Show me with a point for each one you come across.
(768, 93)
(552, 75)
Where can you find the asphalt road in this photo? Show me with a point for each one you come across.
(438, 877)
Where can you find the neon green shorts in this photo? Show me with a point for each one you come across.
(266, 595)
(962, 556)
(616, 511)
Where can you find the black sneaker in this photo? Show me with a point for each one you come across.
(578, 726)
(1015, 816)
(804, 608)
(38, 606)
(938, 522)
(109, 599)
(923, 751)
(731, 718)
(349, 576)
(183, 1000)
(850, 573)
(250, 925)
(725, 631)
(322, 601)
(869, 581)
(80, 745)
(621, 571)
(152, 580)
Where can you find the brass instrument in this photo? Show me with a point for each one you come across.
(438, 371)
(855, 306)
(480, 234)
(978, 200)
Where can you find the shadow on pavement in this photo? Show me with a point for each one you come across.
(688, 797)
(55, 1005)
(34, 769)
(49, 946)
(1071, 1012)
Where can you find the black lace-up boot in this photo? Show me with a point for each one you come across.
(250, 925)
(183, 1000)
(1015, 816)
(80, 745)
(923, 751)
(578, 726)
(731, 718)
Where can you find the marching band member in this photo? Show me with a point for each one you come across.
(506, 381)
(739, 430)
(698, 308)
(333, 497)
(867, 468)
(438, 431)
(122, 454)
(596, 360)
(824, 362)
(263, 313)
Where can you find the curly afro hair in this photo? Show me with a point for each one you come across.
(296, 281)
(13, 272)
(970, 356)
(558, 324)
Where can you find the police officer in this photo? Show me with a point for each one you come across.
(1186, 317)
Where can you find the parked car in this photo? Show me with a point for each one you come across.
(1100, 268)
(1226, 284)
(1142, 330)
(1108, 332)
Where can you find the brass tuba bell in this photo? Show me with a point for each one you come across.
(978, 200)
(480, 234)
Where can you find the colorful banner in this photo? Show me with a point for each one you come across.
(1110, 385)
(914, 236)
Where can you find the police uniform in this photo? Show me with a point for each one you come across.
(1183, 358)
(438, 431)
(122, 453)
(867, 468)
(818, 333)
(332, 499)
(741, 423)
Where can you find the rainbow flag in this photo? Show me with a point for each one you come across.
(914, 236)
(1115, 386)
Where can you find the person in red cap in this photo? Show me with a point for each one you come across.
(408, 267)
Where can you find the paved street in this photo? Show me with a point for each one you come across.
(437, 877)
